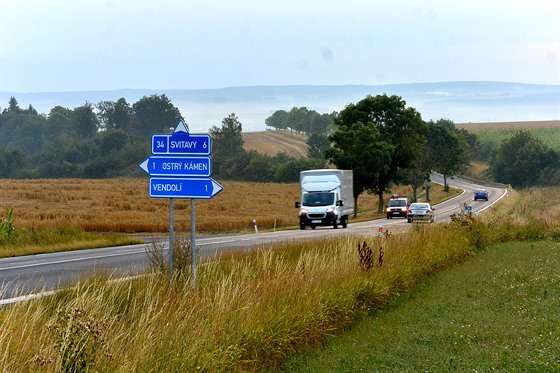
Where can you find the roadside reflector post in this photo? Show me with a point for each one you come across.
(381, 229)
(255, 225)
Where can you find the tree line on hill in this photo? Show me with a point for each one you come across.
(380, 138)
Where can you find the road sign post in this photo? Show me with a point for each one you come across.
(180, 167)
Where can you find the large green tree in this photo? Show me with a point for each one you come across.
(154, 114)
(227, 143)
(115, 114)
(401, 133)
(359, 147)
(317, 143)
(84, 121)
(447, 149)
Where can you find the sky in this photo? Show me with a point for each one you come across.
(89, 45)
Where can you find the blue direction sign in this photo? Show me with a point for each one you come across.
(171, 166)
(203, 188)
(180, 142)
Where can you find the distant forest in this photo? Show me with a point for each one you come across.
(111, 138)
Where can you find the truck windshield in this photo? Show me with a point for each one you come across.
(318, 199)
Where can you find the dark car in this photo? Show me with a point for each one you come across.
(481, 194)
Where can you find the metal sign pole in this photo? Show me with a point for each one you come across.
(193, 243)
(171, 236)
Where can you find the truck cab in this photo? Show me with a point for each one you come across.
(397, 206)
(326, 198)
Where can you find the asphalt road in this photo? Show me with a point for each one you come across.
(44, 272)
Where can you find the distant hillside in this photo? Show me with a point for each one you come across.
(274, 142)
(461, 102)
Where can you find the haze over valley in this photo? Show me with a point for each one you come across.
(461, 102)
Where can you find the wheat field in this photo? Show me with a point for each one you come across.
(123, 206)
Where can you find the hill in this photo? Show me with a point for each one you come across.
(273, 142)
(461, 102)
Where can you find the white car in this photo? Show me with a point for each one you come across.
(420, 211)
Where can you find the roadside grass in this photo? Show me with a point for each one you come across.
(249, 311)
(47, 240)
(499, 311)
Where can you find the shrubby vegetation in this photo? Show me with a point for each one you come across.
(524, 161)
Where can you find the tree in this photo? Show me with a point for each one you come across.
(154, 114)
(115, 115)
(12, 161)
(521, 159)
(59, 122)
(401, 133)
(447, 149)
(111, 142)
(317, 143)
(277, 120)
(85, 121)
(13, 106)
(227, 142)
(360, 148)
(299, 119)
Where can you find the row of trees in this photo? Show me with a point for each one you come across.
(302, 120)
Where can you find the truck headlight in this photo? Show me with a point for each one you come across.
(330, 209)
(303, 211)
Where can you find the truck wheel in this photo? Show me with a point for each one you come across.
(335, 225)
(345, 222)
(302, 227)
(313, 226)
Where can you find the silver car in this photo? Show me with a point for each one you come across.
(420, 211)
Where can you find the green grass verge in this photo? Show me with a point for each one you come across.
(28, 242)
(499, 311)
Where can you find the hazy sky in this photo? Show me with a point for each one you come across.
(77, 45)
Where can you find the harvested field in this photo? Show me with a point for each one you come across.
(274, 142)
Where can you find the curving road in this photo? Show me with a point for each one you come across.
(36, 273)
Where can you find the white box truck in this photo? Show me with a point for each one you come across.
(327, 198)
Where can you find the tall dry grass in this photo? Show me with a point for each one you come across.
(249, 312)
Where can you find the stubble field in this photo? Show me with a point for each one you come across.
(123, 206)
